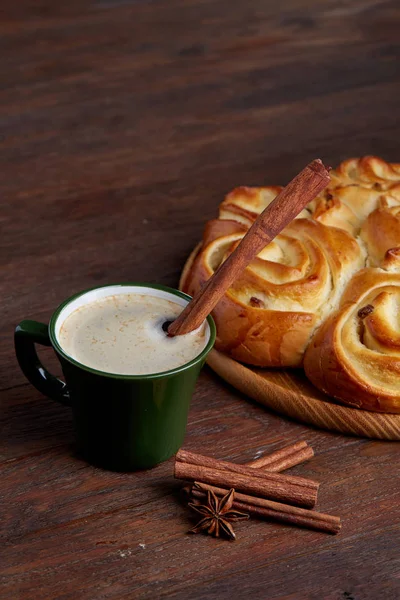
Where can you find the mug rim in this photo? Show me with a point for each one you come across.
(146, 376)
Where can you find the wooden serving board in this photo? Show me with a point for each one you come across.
(289, 393)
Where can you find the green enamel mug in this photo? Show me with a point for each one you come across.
(121, 422)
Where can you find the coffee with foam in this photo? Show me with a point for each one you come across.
(122, 334)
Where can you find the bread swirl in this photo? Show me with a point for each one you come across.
(289, 292)
(269, 314)
(381, 230)
(355, 354)
(368, 172)
(357, 188)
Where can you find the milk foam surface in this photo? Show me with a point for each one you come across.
(123, 334)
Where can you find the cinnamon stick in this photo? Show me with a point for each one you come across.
(267, 509)
(184, 456)
(282, 210)
(250, 483)
(285, 458)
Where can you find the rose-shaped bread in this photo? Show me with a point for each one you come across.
(355, 354)
(269, 314)
(368, 171)
(357, 188)
(381, 230)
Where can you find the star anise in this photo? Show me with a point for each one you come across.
(217, 514)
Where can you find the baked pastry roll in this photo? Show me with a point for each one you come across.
(330, 278)
(355, 354)
(268, 315)
(358, 187)
(381, 230)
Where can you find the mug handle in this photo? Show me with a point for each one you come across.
(27, 334)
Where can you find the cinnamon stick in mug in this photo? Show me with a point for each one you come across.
(282, 210)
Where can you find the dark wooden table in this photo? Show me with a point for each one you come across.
(123, 124)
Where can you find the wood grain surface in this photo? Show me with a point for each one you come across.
(123, 123)
(289, 393)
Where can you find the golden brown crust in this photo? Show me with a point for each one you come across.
(355, 354)
(357, 188)
(294, 287)
(381, 230)
(368, 171)
(268, 315)
(188, 269)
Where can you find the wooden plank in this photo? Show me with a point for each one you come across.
(123, 124)
(99, 543)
